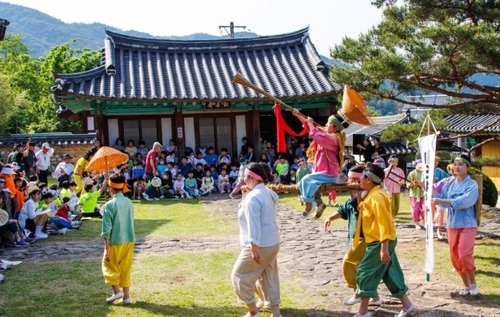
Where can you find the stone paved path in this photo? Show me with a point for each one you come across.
(308, 256)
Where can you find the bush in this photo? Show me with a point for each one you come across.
(490, 193)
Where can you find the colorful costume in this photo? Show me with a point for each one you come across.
(394, 178)
(326, 166)
(376, 220)
(461, 223)
(416, 196)
(118, 228)
(257, 222)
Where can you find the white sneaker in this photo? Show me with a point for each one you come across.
(473, 291)
(114, 297)
(41, 236)
(263, 304)
(161, 197)
(464, 291)
(62, 231)
(146, 197)
(156, 199)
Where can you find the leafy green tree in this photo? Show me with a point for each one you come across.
(31, 104)
(424, 46)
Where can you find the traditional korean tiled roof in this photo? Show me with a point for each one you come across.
(382, 122)
(59, 138)
(144, 69)
(467, 123)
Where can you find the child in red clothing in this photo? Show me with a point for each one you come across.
(63, 210)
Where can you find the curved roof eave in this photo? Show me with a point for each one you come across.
(127, 40)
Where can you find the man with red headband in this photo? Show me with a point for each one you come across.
(119, 236)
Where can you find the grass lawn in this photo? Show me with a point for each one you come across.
(186, 284)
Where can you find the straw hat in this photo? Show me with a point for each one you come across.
(354, 108)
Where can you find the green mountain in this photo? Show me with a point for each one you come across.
(41, 32)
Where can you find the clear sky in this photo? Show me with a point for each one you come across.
(329, 20)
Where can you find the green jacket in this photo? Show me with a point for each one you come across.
(118, 220)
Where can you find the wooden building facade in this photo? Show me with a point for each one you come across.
(157, 90)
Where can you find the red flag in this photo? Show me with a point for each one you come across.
(282, 127)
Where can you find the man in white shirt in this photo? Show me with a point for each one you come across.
(64, 170)
(43, 162)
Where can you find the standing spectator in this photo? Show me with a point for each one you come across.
(64, 170)
(269, 150)
(151, 171)
(460, 196)
(43, 163)
(80, 167)
(251, 157)
(30, 158)
(119, 237)
(393, 181)
(244, 146)
(257, 265)
(367, 150)
(131, 149)
(301, 150)
(417, 200)
(380, 261)
(17, 157)
(119, 145)
(378, 150)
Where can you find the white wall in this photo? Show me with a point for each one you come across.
(189, 132)
(113, 132)
(166, 129)
(90, 124)
(241, 131)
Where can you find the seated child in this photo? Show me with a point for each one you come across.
(224, 184)
(88, 201)
(233, 175)
(167, 186)
(179, 190)
(61, 220)
(138, 170)
(139, 187)
(215, 176)
(191, 185)
(207, 184)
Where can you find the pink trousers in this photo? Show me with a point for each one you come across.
(461, 244)
(417, 209)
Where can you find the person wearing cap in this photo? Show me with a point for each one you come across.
(43, 162)
(80, 167)
(29, 158)
(64, 170)
(460, 196)
(393, 181)
(119, 237)
(380, 261)
(151, 171)
(417, 200)
(327, 152)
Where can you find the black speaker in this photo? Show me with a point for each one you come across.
(357, 139)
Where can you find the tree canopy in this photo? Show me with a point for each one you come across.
(25, 97)
(423, 47)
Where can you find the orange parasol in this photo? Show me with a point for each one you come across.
(105, 159)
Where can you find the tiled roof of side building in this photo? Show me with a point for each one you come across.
(286, 66)
(51, 138)
(467, 123)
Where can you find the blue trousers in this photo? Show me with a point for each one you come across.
(60, 222)
(310, 184)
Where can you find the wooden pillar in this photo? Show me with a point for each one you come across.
(102, 128)
(255, 127)
(179, 124)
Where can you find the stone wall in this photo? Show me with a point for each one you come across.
(76, 150)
